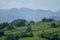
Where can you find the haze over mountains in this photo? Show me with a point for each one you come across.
(7, 15)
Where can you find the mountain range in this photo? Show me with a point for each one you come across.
(8, 15)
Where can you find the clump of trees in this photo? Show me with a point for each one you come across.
(49, 36)
(12, 37)
(25, 34)
(10, 27)
(19, 22)
(32, 22)
(53, 25)
(44, 35)
(54, 37)
(2, 33)
(31, 34)
(3, 25)
(47, 20)
(28, 28)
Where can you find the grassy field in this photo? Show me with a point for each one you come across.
(37, 28)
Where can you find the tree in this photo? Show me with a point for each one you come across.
(32, 22)
(53, 25)
(44, 35)
(29, 28)
(47, 20)
(1, 33)
(3, 25)
(31, 34)
(54, 37)
(12, 37)
(19, 22)
(23, 35)
(10, 27)
(50, 20)
(44, 20)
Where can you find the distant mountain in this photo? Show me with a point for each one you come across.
(7, 15)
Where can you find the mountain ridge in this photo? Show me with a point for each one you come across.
(7, 15)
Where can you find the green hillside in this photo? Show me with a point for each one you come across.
(37, 28)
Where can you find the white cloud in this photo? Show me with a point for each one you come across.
(15, 4)
(41, 4)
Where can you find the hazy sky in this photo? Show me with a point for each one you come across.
(35, 4)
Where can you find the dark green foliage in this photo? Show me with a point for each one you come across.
(44, 35)
(3, 25)
(1, 33)
(54, 37)
(10, 27)
(48, 20)
(53, 25)
(17, 37)
(41, 35)
(49, 36)
(12, 37)
(19, 22)
(23, 35)
(58, 25)
(44, 20)
(32, 22)
(28, 28)
(30, 35)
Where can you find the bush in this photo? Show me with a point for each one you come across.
(1, 33)
(12, 37)
(32, 22)
(44, 35)
(23, 35)
(30, 35)
(10, 27)
(19, 22)
(49, 36)
(47, 20)
(3, 25)
(54, 37)
(53, 25)
(28, 28)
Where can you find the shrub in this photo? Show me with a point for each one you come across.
(53, 25)
(10, 27)
(23, 35)
(1, 33)
(28, 28)
(12, 37)
(54, 37)
(44, 35)
(32, 22)
(18, 22)
(30, 35)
